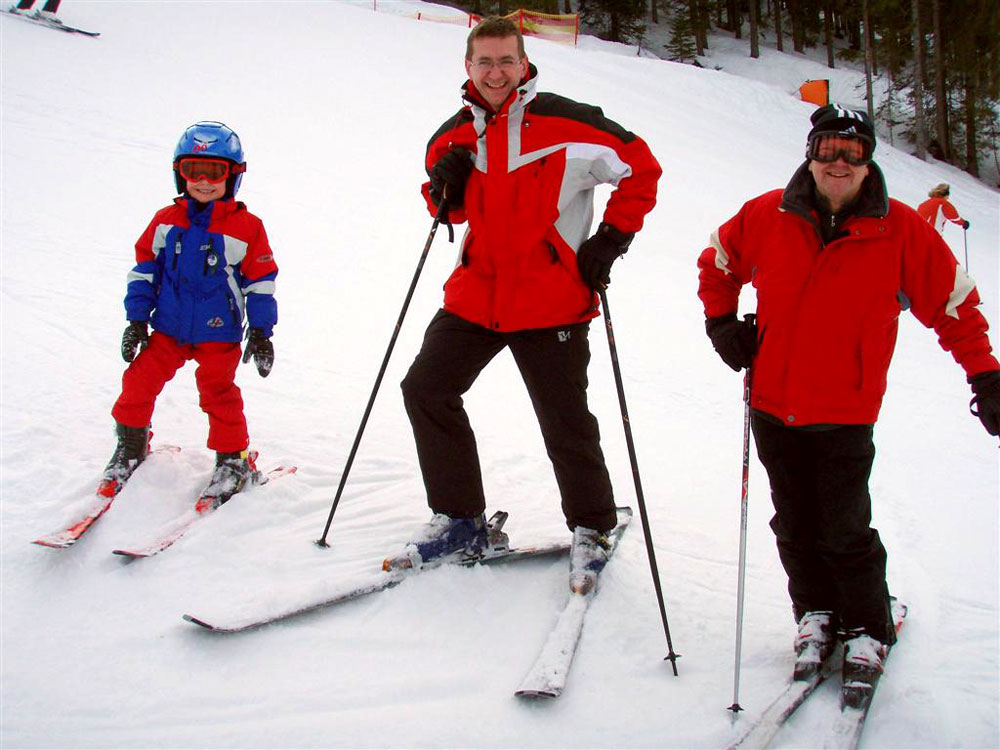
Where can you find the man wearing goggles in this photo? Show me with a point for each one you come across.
(826, 148)
(834, 260)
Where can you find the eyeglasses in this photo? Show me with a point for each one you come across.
(506, 64)
(213, 170)
(826, 148)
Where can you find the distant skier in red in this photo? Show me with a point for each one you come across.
(937, 209)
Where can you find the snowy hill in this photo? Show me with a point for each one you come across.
(334, 104)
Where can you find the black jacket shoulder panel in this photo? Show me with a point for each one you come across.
(462, 116)
(553, 105)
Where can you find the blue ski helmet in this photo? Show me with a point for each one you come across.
(215, 140)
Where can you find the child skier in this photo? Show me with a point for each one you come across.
(201, 263)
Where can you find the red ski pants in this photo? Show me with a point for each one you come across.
(220, 397)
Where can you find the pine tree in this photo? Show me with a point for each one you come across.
(681, 47)
(614, 20)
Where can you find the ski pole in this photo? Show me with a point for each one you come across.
(442, 212)
(965, 238)
(744, 502)
(671, 656)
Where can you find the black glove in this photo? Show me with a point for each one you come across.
(449, 175)
(134, 339)
(734, 340)
(595, 256)
(986, 403)
(261, 349)
(965, 224)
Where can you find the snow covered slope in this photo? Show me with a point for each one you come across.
(334, 104)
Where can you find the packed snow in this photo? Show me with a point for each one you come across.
(335, 103)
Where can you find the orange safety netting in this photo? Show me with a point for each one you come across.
(556, 28)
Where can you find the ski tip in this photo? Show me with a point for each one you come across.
(538, 694)
(129, 554)
(201, 623)
(52, 543)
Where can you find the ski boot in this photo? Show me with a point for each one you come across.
(813, 644)
(440, 538)
(588, 556)
(233, 472)
(132, 449)
(863, 665)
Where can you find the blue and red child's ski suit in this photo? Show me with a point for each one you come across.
(199, 269)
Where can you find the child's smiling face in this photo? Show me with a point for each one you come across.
(204, 191)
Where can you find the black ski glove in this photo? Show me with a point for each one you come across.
(595, 256)
(986, 403)
(134, 339)
(965, 224)
(261, 349)
(734, 340)
(449, 175)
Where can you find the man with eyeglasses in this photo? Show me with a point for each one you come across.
(834, 260)
(520, 166)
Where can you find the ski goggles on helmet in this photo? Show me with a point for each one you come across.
(853, 148)
(194, 168)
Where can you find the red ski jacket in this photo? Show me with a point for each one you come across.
(530, 203)
(827, 316)
(936, 210)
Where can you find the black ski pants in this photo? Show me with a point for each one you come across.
(553, 364)
(822, 521)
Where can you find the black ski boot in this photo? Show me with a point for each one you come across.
(132, 449)
(233, 472)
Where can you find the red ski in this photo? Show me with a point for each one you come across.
(106, 493)
(203, 506)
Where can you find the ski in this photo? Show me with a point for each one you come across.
(180, 526)
(760, 733)
(498, 552)
(846, 731)
(547, 676)
(52, 23)
(105, 495)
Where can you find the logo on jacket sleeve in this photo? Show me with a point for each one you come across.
(215, 322)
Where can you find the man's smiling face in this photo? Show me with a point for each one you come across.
(495, 68)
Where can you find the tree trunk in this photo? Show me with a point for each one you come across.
(654, 14)
(866, 38)
(696, 27)
(941, 120)
(828, 32)
(754, 35)
(919, 130)
(971, 151)
(777, 26)
(798, 33)
(567, 7)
